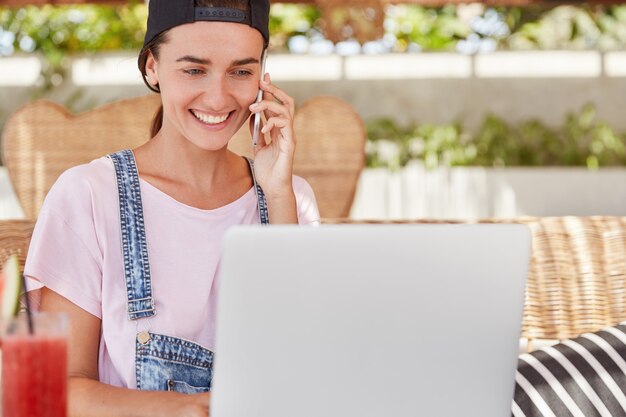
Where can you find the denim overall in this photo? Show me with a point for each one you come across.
(162, 362)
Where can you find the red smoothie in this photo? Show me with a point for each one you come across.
(34, 376)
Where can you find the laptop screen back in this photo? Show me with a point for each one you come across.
(370, 321)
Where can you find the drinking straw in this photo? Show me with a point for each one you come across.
(29, 314)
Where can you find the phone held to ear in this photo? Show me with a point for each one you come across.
(259, 97)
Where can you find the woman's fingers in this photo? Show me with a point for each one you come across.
(273, 93)
(275, 122)
(281, 133)
(278, 108)
(271, 107)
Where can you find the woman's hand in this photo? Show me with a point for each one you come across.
(194, 405)
(273, 162)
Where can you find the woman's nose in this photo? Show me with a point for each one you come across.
(216, 93)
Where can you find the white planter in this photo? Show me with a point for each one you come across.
(474, 192)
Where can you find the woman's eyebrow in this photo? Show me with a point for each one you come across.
(202, 61)
(193, 60)
(244, 62)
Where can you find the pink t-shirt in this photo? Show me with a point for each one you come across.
(76, 252)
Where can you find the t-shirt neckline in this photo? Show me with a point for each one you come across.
(162, 195)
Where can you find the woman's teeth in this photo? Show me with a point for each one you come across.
(210, 120)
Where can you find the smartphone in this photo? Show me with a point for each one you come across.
(259, 97)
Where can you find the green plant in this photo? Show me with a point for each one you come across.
(58, 31)
(429, 28)
(569, 27)
(513, 28)
(288, 20)
(583, 140)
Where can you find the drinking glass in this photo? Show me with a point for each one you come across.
(34, 366)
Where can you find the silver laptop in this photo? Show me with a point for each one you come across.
(370, 321)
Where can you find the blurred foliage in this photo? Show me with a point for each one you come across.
(569, 27)
(425, 28)
(582, 141)
(57, 31)
(288, 20)
(474, 28)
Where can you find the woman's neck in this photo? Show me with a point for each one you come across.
(194, 176)
(176, 159)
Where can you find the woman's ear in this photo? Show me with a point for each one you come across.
(151, 71)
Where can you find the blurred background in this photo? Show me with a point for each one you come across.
(496, 109)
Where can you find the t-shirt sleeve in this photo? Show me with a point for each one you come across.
(64, 254)
(308, 213)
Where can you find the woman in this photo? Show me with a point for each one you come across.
(129, 245)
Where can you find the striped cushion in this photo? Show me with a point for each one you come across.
(582, 377)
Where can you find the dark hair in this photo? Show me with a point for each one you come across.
(154, 45)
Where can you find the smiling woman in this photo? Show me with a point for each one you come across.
(215, 82)
(155, 39)
(141, 230)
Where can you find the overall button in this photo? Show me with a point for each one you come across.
(143, 338)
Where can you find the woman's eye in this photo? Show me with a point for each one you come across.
(242, 73)
(193, 71)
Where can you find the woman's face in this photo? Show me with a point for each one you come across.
(208, 74)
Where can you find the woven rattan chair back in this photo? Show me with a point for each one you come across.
(330, 152)
(577, 278)
(577, 275)
(14, 239)
(42, 139)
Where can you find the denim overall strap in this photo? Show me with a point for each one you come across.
(260, 197)
(135, 251)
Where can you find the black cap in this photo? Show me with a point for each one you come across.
(166, 14)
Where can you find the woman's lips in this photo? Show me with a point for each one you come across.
(212, 121)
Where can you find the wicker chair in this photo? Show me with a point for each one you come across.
(331, 152)
(14, 239)
(42, 139)
(577, 276)
(577, 280)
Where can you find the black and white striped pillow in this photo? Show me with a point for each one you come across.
(582, 377)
